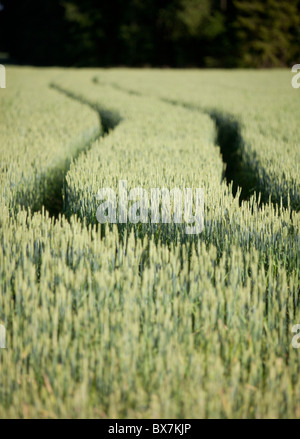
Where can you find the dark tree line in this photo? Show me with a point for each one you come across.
(179, 33)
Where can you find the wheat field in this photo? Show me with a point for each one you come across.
(142, 320)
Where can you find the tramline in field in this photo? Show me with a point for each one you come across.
(143, 320)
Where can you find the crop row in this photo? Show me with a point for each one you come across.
(41, 131)
(263, 104)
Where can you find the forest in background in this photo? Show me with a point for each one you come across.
(158, 33)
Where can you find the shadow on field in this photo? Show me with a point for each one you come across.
(229, 138)
(118, 87)
(108, 119)
(53, 198)
(230, 141)
(241, 173)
